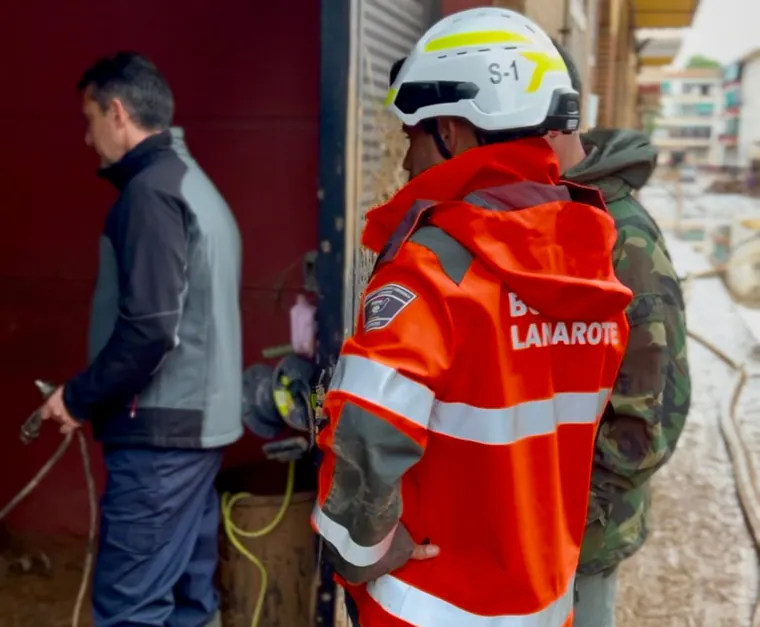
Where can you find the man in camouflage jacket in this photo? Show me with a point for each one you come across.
(648, 409)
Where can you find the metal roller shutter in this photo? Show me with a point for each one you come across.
(385, 31)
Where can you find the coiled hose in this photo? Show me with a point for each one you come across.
(234, 533)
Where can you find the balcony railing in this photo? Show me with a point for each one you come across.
(681, 142)
(692, 98)
(680, 121)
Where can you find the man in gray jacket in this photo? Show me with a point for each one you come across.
(163, 388)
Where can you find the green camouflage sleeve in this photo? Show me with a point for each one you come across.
(649, 404)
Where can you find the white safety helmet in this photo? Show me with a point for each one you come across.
(493, 67)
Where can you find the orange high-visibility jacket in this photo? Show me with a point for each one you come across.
(463, 410)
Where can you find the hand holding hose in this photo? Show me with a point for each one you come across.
(55, 409)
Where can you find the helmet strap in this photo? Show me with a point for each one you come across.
(431, 128)
(441, 145)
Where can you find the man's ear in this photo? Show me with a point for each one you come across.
(457, 134)
(447, 131)
(119, 112)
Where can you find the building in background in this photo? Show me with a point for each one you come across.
(740, 132)
(690, 119)
(731, 107)
(749, 114)
(656, 48)
(648, 104)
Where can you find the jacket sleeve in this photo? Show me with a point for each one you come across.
(378, 408)
(651, 398)
(149, 236)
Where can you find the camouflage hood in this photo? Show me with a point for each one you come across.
(617, 162)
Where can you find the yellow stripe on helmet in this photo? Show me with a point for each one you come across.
(390, 97)
(545, 62)
(482, 38)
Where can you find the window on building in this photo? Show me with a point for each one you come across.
(697, 89)
(696, 110)
(691, 132)
(732, 98)
(732, 73)
(732, 127)
(700, 154)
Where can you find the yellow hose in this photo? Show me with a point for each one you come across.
(233, 531)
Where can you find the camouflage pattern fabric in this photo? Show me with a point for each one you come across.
(651, 399)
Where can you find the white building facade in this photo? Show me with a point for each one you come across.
(690, 120)
(749, 113)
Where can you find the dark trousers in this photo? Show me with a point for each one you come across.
(159, 519)
(352, 610)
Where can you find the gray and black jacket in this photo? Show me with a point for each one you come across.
(165, 338)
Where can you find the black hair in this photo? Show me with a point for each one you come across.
(137, 83)
(572, 68)
(395, 69)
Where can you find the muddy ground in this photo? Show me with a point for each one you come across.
(699, 566)
(43, 597)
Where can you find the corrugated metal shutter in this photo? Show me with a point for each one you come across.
(386, 30)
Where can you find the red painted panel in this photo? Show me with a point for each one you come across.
(454, 6)
(246, 78)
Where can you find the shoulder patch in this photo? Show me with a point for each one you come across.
(384, 304)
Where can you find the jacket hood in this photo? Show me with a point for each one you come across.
(520, 222)
(617, 161)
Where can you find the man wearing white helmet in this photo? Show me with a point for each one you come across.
(463, 410)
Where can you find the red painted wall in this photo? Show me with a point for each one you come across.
(246, 79)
